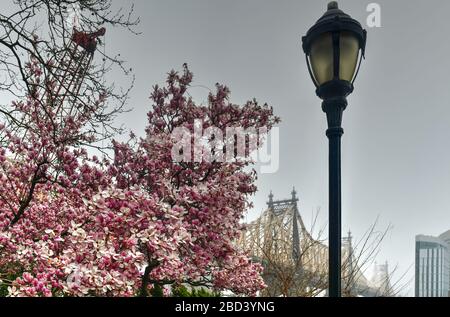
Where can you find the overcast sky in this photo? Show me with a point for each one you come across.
(396, 154)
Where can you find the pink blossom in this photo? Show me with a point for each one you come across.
(76, 225)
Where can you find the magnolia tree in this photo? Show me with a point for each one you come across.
(74, 225)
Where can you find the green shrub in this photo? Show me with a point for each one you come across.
(183, 291)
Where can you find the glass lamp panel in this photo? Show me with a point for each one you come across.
(349, 52)
(321, 57)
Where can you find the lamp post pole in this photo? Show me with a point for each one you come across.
(334, 109)
(332, 46)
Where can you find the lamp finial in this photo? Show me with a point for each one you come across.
(333, 5)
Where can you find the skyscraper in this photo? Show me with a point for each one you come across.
(432, 275)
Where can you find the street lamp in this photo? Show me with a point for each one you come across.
(334, 49)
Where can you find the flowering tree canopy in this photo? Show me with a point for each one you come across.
(75, 225)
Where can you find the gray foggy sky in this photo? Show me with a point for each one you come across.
(396, 158)
(396, 154)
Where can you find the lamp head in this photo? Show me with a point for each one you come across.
(334, 47)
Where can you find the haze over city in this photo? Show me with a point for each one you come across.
(395, 153)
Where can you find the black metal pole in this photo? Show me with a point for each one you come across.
(333, 91)
(334, 136)
(334, 109)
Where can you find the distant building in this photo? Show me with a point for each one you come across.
(432, 275)
(382, 281)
